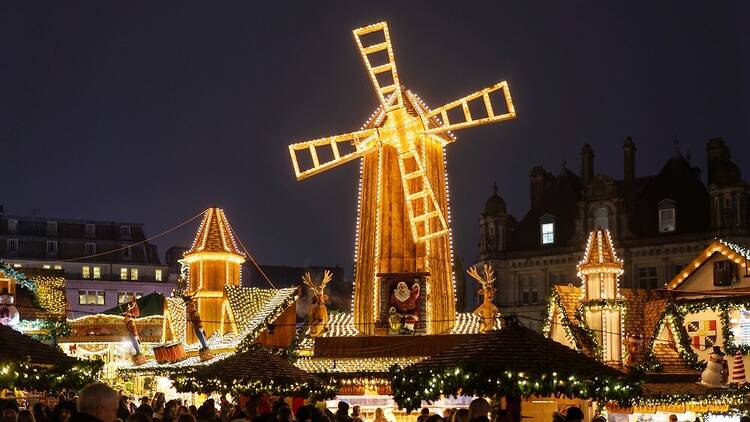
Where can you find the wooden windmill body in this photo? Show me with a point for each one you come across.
(403, 224)
(214, 262)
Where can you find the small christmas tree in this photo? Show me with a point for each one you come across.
(738, 369)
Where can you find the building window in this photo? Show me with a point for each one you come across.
(17, 265)
(97, 272)
(91, 297)
(125, 232)
(58, 267)
(90, 230)
(134, 274)
(157, 275)
(647, 278)
(548, 233)
(677, 269)
(123, 273)
(86, 271)
(12, 225)
(744, 328)
(12, 245)
(601, 218)
(46, 266)
(127, 251)
(52, 228)
(90, 248)
(52, 247)
(667, 221)
(124, 297)
(529, 293)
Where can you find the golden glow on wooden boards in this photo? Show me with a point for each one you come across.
(403, 222)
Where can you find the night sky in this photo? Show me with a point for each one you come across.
(151, 111)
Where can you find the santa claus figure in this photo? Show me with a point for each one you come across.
(8, 311)
(405, 303)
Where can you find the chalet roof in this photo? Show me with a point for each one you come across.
(600, 254)
(214, 234)
(149, 305)
(19, 347)
(736, 252)
(520, 349)
(102, 328)
(254, 365)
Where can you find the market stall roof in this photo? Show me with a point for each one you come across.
(20, 347)
(254, 365)
(149, 305)
(519, 349)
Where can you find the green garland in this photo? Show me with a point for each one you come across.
(18, 276)
(410, 388)
(23, 375)
(188, 382)
(554, 299)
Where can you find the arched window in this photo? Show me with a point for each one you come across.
(601, 218)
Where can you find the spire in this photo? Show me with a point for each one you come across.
(214, 234)
(494, 188)
(600, 255)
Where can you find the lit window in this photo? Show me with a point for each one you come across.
(157, 275)
(97, 272)
(90, 248)
(647, 278)
(667, 216)
(82, 297)
(58, 267)
(52, 228)
(91, 297)
(52, 247)
(134, 274)
(12, 225)
(123, 273)
(17, 265)
(86, 271)
(127, 252)
(124, 297)
(12, 245)
(138, 295)
(125, 232)
(601, 218)
(90, 230)
(744, 328)
(100, 298)
(548, 233)
(47, 266)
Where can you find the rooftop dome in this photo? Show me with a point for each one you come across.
(495, 204)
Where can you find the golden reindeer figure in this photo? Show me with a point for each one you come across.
(487, 311)
(318, 312)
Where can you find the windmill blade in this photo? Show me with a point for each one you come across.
(425, 216)
(489, 115)
(362, 141)
(388, 68)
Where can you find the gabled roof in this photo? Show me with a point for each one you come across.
(600, 255)
(214, 234)
(738, 253)
(149, 305)
(19, 347)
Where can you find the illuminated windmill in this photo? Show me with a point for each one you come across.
(403, 221)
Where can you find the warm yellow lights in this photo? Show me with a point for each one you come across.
(213, 256)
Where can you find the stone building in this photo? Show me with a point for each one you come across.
(659, 223)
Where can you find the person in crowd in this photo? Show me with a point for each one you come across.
(145, 407)
(284, 414)
(10, 414)
(39, 414)
(159, 402)
(123, 411)
(138, 417)
(478, 410)
(96, 403)
(182, 410)
(51, 403)
(186, 417)
(356, 416)
(742, 419)
(304, 414)
(342, 415)
(461, 415)
(423, 415)
(672, 418)
(193, 410)
(379, 416)
(558, 417)
(225, 408)
(435, 418)
(574, 414)
(63, 411)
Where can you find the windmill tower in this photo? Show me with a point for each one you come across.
(600, 270)
(214, 261)
(403, 222)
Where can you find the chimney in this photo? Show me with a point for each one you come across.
(537, 179)
(717, 153)
(587, 163)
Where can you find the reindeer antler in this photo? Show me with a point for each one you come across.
(307, 279)
(327, 277)
(489, 275)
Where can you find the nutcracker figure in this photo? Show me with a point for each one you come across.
(131, 312)
(194, 317)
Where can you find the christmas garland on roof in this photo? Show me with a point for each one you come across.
(410, 388)
(20, 277)
(23, 375)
